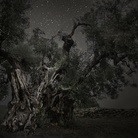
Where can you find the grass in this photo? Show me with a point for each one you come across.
(83, 128)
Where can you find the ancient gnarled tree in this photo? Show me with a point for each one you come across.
(41, 76)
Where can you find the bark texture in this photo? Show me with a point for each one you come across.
(27, 101)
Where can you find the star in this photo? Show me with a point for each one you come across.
(86, 6)
(68, 9)
(54, 15)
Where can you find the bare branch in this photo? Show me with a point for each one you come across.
(77, 25)
(89, 67)
(96, 61)
(118, 59)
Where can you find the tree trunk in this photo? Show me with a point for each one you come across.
(27, 101)
(21, 108)
(60, 106)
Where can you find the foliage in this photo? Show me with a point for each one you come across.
(113, 31)
(13, 21)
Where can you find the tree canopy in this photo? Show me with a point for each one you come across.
(113, 32)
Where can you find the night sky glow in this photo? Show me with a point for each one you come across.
(54, 15)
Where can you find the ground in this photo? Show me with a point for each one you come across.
(86, 127)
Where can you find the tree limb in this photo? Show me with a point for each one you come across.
(90, 66)
(96, 61)
(118, 59)
(77, 25)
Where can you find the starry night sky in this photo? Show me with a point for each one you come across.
(54, 15)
